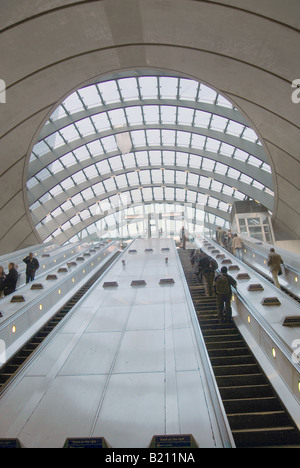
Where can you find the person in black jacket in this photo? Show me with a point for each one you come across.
(11, 279)
(223, 284)
(208, 266)
(32, 265)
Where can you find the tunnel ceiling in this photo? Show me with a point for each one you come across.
(137, 139)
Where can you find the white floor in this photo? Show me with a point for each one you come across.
(124, 366)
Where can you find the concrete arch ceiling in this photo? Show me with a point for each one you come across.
(79, 160)
(247, 52)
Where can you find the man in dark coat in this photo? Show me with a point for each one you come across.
(223, 284)
(11, 279)
(32, 265)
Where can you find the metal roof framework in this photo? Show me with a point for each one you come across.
(185, 145)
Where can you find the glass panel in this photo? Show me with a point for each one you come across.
(254, 221)
(234, 128)
(157, 177)
(68, 160)
(241, 155)
(85, 127)
(95, 148)
(221, 168)
(202, 119)
(90, 96)
(168, 87)
(236, 174)
(133, 179)
(193, 180)
(116, 163)
(155, 158)
(168, 114)
(221, 101)
(109, 143)
(207, 94)
(129, 160)
(138, 138)
(142, 159)
(91, 172)
(181, 177)
(79, 177)
(69, 133)
(109, 91)
(218, 123)
(151, 114)
(101, 122)
(212, 145)
(250, 135)
(58, 114)
(209, 165)
(168, 137)
(145, 177)
(182, 159)
(168, 158)
(134, 115)
(188, 89)
(117, 118)
(73, 104)
(148, 85)
(185, 116)
(153, 137)
(129, 90)
(183, 139)
(195, 161)
(198, 141)
(42, 175)
(81, 153)
(226, 149)
(56, 140)
(87, 194)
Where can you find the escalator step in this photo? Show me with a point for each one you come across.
(267, 437)
(258, 420)
(237, 406)
(232, 360)
(241, 380)
(246, 391)
(214, 353)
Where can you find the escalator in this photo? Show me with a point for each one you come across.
(255, 413)
(10, 369)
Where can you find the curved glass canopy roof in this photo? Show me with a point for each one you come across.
(118, 150)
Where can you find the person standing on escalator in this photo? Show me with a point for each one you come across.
(223, 284)
(32, 266)
(274, 263)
